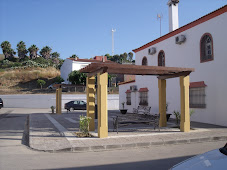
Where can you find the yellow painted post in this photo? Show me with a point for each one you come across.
(102, 105)
(162, 102)
(184, 91)
(57, 100)
(91, 101)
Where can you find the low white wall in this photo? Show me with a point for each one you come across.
(47, 100)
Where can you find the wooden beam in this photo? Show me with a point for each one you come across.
(122, 66)
(95, 68)
(100, 70)
(168, 76)
(135, 71)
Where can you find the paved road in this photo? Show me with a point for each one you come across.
(14, 155)
(48, 100)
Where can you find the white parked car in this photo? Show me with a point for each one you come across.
(52, 86)
(214, 160)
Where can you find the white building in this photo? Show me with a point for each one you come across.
(71, 64)
(200, 45)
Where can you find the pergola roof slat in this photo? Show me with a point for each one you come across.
(162, 72)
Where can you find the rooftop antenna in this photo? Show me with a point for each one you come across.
(113, 30)
(160, 16)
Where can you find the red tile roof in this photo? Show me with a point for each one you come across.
(128, 91)
(185, 27)
(143, 89)
(197, 84)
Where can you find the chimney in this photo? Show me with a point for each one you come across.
(173, 15)
(103, 58)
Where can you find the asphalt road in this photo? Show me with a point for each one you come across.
(48, 100)
(15, 155)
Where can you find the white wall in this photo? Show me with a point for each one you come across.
(188, 55)
(68, 66)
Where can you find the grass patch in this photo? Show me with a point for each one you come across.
(13, 78)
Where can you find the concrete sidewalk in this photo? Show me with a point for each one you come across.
(55, 133)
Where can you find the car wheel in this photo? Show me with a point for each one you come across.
(71, 109)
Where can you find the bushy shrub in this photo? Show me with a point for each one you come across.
(59, 79)
(76, 77)
(41, 83)
(84, 124)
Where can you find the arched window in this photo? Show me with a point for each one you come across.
(144, 61)
(206, 48)
(161, 58)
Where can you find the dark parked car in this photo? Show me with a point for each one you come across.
(76, 105)
(1, 103)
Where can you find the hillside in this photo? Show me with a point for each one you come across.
(25, 80)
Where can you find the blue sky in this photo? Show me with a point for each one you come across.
(83, 27)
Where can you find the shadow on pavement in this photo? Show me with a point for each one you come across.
(161, 164)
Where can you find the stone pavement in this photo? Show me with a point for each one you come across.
(55, 133)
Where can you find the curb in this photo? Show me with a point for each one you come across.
(136, 145)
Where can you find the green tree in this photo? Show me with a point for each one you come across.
(33, 51)
(116, 58)
(41, 83)
(55, 57)
(74, 56)
(109, 57)
(122, 58)
(21, 50)
(59, 79)
(7, 50)
(130, 56)
(125, 55)
(76, 77)
(45, 52)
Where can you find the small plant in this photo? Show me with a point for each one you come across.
(84, 125)
(192, 112)
(123, 105)
(41, 83)
(52, 109)
(177, 115)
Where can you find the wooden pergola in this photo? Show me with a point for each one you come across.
(59, 94)
(162, 73)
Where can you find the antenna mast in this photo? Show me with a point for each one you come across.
(113, 30)
(160, 16)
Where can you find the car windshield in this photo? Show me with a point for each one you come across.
(224, 149)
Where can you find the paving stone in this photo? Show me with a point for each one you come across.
(43, 135)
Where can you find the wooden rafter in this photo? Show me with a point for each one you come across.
(162, 72)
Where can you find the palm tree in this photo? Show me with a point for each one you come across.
(33, 51)
(55, 57)
(21, 50)
(45, 52)
(7, 50)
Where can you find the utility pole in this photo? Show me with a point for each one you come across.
(160, 16)
(113, 41)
